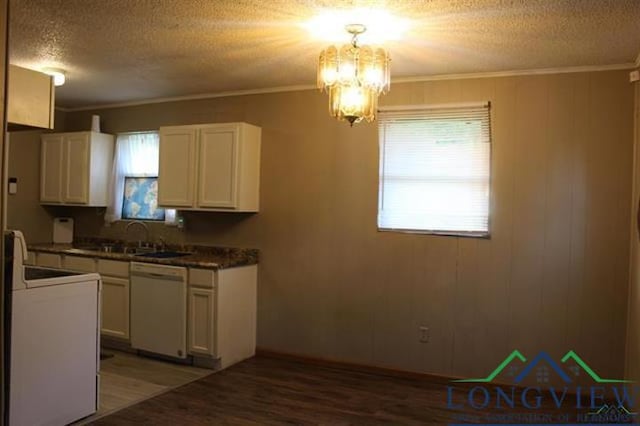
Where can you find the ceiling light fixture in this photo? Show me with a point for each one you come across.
(354, 76)
(59, 76)
(382, 26)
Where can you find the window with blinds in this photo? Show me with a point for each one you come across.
(435, 165)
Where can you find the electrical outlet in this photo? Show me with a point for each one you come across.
(424, 334)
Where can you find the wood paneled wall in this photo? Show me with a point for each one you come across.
(552, 277)
(24, 211)
(633, 325)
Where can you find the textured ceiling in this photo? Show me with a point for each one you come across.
(127, 50)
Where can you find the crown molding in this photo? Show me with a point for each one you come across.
(515, 73)
(281, 89)
(277, 89)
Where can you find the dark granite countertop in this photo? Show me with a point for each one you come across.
(205, 257)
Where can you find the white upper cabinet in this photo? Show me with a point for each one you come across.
(218, 156)
(76, 152)
(30, 100)
(52, 150)
(75, 168)
(177, 167)
(213, 167)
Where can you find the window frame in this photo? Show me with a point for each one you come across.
(113, 211)
(450, 233)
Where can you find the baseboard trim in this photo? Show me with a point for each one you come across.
(205, 362)
(353, 366)
(385, 371)
(117, 344)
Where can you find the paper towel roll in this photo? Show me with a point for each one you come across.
(95, 123)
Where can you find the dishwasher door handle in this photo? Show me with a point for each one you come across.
(156, 275)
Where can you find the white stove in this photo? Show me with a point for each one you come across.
(54, 341)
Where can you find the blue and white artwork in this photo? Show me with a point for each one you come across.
(141, 199)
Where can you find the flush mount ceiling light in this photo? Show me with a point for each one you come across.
(59, 75)
(354, 76)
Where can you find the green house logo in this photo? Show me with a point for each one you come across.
(606, 400)
(536, 361)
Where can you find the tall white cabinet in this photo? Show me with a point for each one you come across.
(214, 167)
(75, 168)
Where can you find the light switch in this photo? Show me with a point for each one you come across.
(13, 186)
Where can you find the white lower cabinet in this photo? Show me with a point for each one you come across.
(222, 314)
(201, 321)
(78, 263)
(115, 298)
(115, 307)
(221, 308)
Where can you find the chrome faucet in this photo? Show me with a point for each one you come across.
(162, 243)
(144, 226)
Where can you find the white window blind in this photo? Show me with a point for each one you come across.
(435, 169)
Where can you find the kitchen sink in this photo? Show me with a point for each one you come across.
(121, 249)
(87, 247)
(149, 252)
(109, 248)
(163, 254)
(115, 249)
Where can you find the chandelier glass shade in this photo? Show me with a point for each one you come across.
(353, 76)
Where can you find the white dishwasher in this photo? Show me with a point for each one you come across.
(159, 309)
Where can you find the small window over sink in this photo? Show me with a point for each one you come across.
(134, 184)
(141, 199)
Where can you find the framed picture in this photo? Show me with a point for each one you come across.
(140, 200)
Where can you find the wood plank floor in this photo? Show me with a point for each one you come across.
(265, 391)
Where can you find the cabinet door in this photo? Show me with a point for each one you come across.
(32, 97)
(176, 175)
(78, 263)
(115, 307)
(201, 321)
(76, 168)
(218, 171)
(51, 168)
(113, 268)
(49, 260)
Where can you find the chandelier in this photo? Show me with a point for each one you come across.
(353, 76)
